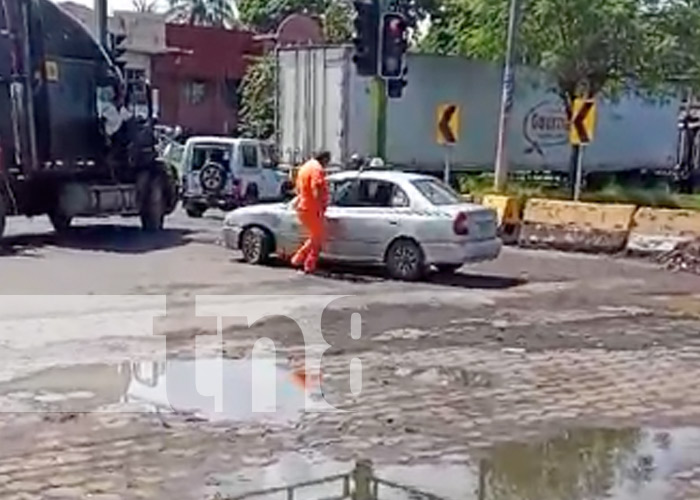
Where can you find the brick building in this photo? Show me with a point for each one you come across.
(198, 78)
(195, 71)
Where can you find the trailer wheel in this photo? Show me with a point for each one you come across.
(154, 206)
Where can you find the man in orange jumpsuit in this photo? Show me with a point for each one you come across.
(311, 203)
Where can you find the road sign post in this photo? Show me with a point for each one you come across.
(581, 130)
(447, 132)
(446, 173)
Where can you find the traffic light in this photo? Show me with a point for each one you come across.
(366, 37)
(394, 45)
(394, 87)
(117, 50)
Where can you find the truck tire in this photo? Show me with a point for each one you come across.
(60, 221)
(154, 206)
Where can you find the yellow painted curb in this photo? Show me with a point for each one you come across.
(583, 216)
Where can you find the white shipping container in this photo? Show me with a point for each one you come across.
(324, 104)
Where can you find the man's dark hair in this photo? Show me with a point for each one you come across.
(323, 157)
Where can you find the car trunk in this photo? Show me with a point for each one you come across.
(481, 223)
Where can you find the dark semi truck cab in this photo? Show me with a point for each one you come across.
(69, 145)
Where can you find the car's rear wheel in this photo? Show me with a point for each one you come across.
(448, 268)
(256, 245)
(405, 260)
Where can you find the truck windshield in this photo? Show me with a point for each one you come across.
(437, 192)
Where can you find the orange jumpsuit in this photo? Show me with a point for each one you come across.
(312, 192)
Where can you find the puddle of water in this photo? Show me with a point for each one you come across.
(213, 389)
(587, 464)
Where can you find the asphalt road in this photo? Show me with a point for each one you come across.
(535, 351)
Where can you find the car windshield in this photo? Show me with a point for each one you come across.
(437, 192)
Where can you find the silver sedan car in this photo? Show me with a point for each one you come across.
(407, 222)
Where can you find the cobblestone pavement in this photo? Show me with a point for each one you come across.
(553, 376)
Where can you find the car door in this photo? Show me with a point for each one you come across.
(290, 234)
(249, 168)
(366, 222)
(272, 178)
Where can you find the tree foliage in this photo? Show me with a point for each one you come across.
(266, 15)
(145, 6)
(219, 13)
(257, 112)
(335, 15)
(588, 46)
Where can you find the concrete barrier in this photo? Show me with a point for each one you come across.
(508, 210)
(661, 230)
(568, 225)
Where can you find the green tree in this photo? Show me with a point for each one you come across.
(337, 22)
(674, 38)
(266, 15)
(588, 46)
(219, 13)
(256, 116)
(145, 6)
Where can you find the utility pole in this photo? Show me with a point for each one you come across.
(379, 108)
(501, 174)
(101, 22)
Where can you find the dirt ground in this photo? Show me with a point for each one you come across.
(525, 364)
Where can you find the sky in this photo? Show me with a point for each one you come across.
(112, 4)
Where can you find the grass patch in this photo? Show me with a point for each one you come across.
(657, 195)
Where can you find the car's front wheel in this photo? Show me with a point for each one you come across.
(405, 260)
(255, 245)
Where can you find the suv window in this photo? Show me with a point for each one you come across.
(249, 156)
(203, 154)
(368, 193)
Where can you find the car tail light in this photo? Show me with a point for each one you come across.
(460, 225)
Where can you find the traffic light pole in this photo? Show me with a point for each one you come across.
(379, 111)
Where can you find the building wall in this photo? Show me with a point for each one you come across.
(145, 33)
(198, 79)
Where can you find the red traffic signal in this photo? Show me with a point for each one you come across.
(394, 44)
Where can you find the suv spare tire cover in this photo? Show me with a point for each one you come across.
(212, 177)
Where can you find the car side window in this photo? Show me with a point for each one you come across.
(344, 193)
(378, 193)
(399, 198)
(249, 156)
